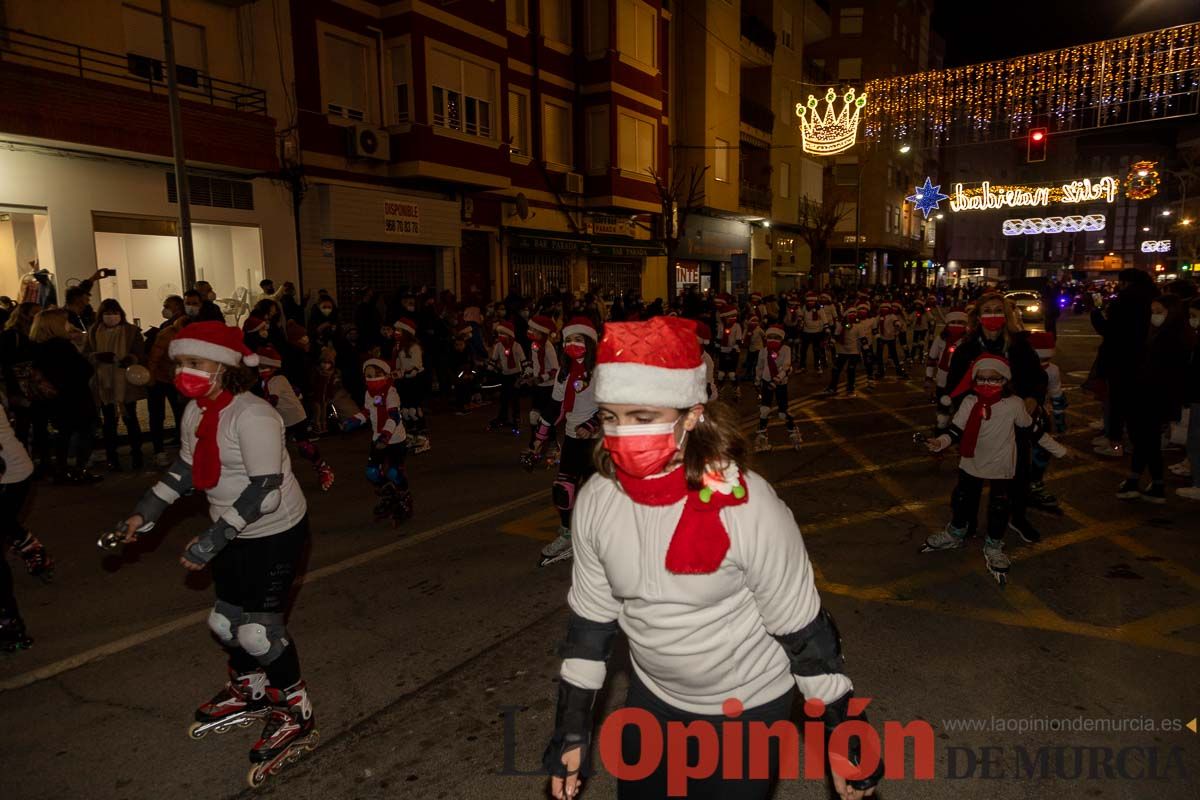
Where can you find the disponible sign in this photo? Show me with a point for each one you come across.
(401, 218)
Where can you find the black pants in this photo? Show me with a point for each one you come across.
(12, 500)
(776, 397)
(918, 341)
(816, 341)
(848, 361)
(157, 398)
(965, 504)
(510, 401)
(128, 412)
(256, 576)
(575, 465)
(890, 345)
(654, 786)
(1145, 433)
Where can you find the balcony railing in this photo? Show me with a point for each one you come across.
(755, 196)
(138, 71)
(757, 116)
(758, 32)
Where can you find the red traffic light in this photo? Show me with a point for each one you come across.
(1037, 136)
(1035, 149)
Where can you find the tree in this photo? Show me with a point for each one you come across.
(816, 223)
(680, 196)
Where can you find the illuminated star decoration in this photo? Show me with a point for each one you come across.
(927, 197)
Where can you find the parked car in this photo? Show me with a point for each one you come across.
(1029, 305)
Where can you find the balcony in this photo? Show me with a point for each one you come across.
(758, 116)
(755, 197)
(758, 33)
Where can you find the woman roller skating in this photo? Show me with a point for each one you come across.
(232, 449)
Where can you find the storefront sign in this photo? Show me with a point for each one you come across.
(401, 218)
(524, 242)
(849, 239)
(626, 250)
(609, 225)
(988, 197)
(687, 274)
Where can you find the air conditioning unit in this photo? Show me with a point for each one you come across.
(369, 143)
(574, 183)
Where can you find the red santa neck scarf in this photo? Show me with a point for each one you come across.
(575, 377)
(700, 541)
(772, 357)
(507, 343)
(206, 457)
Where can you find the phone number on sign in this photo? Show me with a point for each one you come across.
(401, 226)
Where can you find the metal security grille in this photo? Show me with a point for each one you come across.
(214, 192)
(535, 274)
(615, 277)
(387, 268)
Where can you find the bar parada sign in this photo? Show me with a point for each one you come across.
(987, 197)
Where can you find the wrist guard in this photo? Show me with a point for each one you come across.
(572, 729)
(835, 714)
(211, 542)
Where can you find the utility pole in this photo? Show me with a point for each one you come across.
(182, 193)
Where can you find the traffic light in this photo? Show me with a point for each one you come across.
(1036, 145)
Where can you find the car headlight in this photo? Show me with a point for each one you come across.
(1033, 309)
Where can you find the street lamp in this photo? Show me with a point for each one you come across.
(941, 216)
(904, 149)
(1166, 212)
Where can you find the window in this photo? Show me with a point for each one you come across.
(518, 12)
(401, 71)
(635, 144)
(635, 31)
(144, 37)
(462, 94)
(785, 179)
(556, 130)
(887, 218)
(850, 22)
(721, 160)
(785, 29)
(596, 35)
(344, 77)
(721, 62)
(849, 69)
(895, 219)
(556, 20)
(598, 148)
(518, 122)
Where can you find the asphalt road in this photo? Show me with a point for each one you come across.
(429, 651)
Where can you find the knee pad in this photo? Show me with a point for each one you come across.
(764, 412)
(393, 474)
(223, 620)
(1040, 457)
(534, 417)
(783, 415)
(563, 492)
(263, 636)
(374, 474)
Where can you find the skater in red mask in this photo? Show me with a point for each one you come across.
(772, 373)
(389, 447)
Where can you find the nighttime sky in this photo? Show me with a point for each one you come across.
(986, 30)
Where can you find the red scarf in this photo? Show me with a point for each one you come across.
(539, 360)
(574, 375)
(772, 356)
(700, 541)
(970, 437)
(508, 351)
(206, 457)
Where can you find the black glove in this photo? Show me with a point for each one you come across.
(572, 729)
(835, 714)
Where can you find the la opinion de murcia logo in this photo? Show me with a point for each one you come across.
(834, 131)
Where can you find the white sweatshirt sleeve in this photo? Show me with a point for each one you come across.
(590, 596)
(260, 436)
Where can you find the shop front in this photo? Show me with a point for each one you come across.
(540, 262)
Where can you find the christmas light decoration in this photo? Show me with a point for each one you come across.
(988, 197)
(830, 133)
(926, 198)
(1037, 225)
(1142, 181)
(1156, 246)
(1150, 75)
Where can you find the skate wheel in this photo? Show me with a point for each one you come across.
(197, 731)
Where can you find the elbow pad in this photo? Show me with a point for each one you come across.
(588, 639)
(258, 499)
(815, 649)
(175, 483)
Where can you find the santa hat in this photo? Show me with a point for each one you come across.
(986, 361)
(1043, 343)
(753, 320)
(729, 313)
(503, 329)
(703, 333)
(542, 324)
(215, 341)
(269, 357)
(826, 297)
(811, 297)
(654, 363)
(775, 331)
(956, 317)
(379, 364)
(582, 326)
(755, 297)
(406, 325)
(253, 324)
(863, 309)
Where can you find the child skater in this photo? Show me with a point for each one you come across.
(408, 367)
(868, 327)
(937, 365)
(385, 461)
(276, 389)
(704, 334)
(728, 351)
(1043, 343)
(985, 428)
(509, 362)
(774, 367)
(846, 352)
(755, 341)
(577, 409)
(542, 372)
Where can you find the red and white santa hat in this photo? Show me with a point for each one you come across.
(379, 364)
(957, 316)
(541, 324)
(655, 363)
(582, 326)
(775, 331)
(405, 325)
(811, 297)
(995, 363)
(269, 357)
(215, 341)
(503, 329)
(1043, 343)
(826, 297)
(729, 313)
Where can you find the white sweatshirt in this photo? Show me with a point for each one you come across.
(730, 342)
(812, 321)
(251, 439)
(585, 402)
(783, 365)
(18, 465)
(281, 395)
(696, 640)
(500, 360)
(543, 363)
(411, 362)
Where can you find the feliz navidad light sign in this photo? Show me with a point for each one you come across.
(989, 198)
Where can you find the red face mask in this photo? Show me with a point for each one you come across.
(640, 451)
(265, 374)
(506, 341)
(988, 393)
(992, 322)
(378, 386)
(194, 383)
(575, 350)
(774, 344)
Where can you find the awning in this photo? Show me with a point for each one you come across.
(605, 246)
(556, 241)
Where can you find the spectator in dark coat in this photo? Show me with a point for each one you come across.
(61, 378)
(1123, 324)
(1191, 398)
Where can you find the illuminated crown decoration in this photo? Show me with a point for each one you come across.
(833, 132)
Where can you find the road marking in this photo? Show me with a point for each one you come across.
(197, 617)
(1167, 565)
